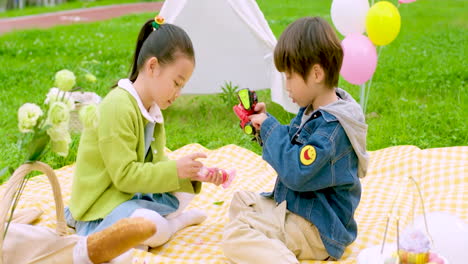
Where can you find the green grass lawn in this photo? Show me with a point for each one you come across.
(74, 4)
(418, 95)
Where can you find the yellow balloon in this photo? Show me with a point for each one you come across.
(383, 23)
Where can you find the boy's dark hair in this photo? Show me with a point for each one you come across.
(164, 43)
(309, 41)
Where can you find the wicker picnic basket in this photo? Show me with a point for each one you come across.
(408, 257)
(14, 187)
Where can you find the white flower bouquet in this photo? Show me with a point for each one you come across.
(53, 124)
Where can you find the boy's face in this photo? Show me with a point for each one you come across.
(299, 90)
(304, 92)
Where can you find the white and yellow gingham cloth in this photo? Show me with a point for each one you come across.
(442, 174)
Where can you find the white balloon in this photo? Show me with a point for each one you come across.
(450, 235)
(349, 16)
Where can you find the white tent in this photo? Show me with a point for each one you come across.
(232, 42)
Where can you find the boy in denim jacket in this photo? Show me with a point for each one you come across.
(319, 158)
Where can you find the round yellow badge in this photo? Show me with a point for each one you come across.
(307, 155)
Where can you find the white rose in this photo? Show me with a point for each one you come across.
(60, 147)
(58, 113)
(60, 139)
(65, 80)
(27, 117)
(59, 132)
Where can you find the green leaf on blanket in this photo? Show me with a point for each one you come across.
(218, 203)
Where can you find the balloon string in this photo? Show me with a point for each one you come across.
(362, 97)
(369, 84)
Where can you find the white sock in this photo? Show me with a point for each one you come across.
(166, 228)
(80, 252)
(163, 230)
(188, 218)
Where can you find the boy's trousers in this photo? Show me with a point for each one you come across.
(260, 231)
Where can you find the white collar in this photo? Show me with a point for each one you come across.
(154, 114)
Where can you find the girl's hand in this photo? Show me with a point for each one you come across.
(257, 120)
(260, 108)
(215, 177)
(188, 166)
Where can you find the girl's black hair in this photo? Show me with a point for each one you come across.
(164, 43)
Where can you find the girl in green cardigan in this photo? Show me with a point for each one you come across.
(121, 169)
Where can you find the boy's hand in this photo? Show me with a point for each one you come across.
(188, 166)
(214, 177)
(257, 120)
(260, 108)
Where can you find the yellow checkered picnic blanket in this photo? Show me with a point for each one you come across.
(442, 174)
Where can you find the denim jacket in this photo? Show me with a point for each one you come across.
(327, 191)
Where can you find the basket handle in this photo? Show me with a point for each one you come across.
(416, 184)
(12, 187)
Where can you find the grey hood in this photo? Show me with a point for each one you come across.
(349, 114)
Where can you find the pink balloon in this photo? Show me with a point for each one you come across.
(405, 1)
(360, 59)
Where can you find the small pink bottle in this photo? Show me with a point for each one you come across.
(228, 175)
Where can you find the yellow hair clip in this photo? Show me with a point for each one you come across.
(158, 21)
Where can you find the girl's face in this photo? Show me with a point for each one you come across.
(167, 81)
